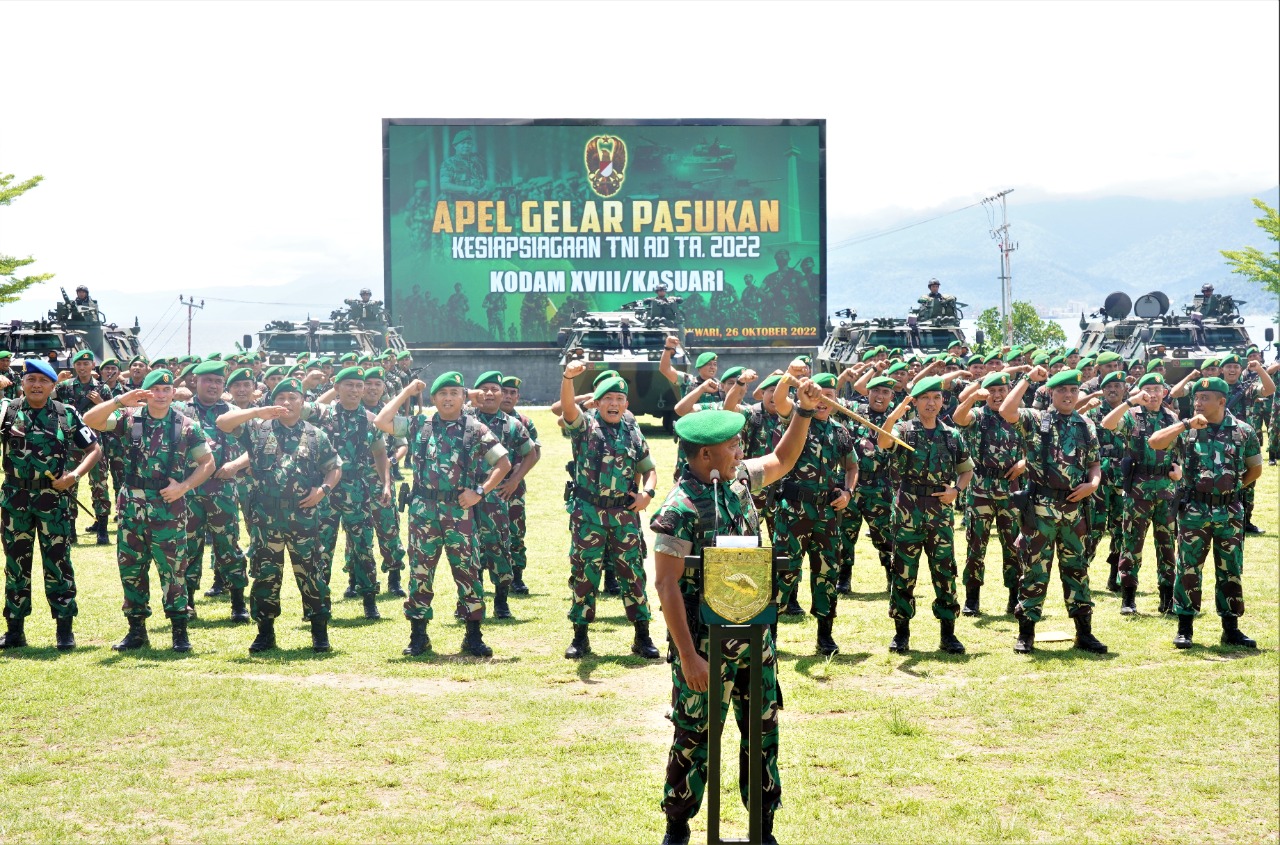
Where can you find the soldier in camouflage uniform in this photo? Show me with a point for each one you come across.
(1243, 404)
(38, 436)
(112, 456)
(999, 462)
(1063, 468)
(1106, 507)
(13, 379)
(493, 516)
(515, 493)
(760, 436)
(873, 496)
(457, 461)
(712, 443)
(1151, 485)
(930, 478)
(82, 393)
(1223, 458)
(705, 368)
(386, 517)
(294, 467)
(809, 504)
(159, 444)
(614, 478)
(212, 508)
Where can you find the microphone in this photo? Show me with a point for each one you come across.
(715, 501)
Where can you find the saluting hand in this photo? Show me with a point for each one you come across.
(133, 398)
(271, 412)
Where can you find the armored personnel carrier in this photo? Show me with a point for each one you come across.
(371, 317)
(283, 341)
(927, 329)
(71, 326)
(618, 340)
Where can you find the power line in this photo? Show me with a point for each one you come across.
(159, 325)
(857, 239)
(258, 302)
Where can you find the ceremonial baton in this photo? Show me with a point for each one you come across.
(49, 474)
(788, 379)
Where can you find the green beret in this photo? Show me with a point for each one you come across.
(403, 354)
(704, 359)
(348, 358)
(1108, 357)
(1066, 378)
(870, 353)
(990, 356)
(617, 385)
(1209, 362)
(1211, 385)
(388, 353)
(1154, 364)
(1000, 379)
(805, 359)
(953, 344)
(895, 368)
(209, 368)
(277, 370)
(157, 377)
(1111, 378)
(1040, 358)
(512, 381)
(1226, 359)
(490, 377)
(242, 374)
(346, 373)
(137, 359)
(160, 362)
(975, 358)
(305, 356)
(186, 371)
(453, 378)
(895, 352)
(604, 376)
(1015, 352)
(825, 380)
(106, 362)
(1150, 378)
(215, 356)
(733, 372)
(375, 372)
(289, 385)
(313, 365)
(1028, 348)
(1252, 350)
(709, 428)
(1070, 352)
(1084, 362)
(929, 385)
(1057, 359)
(770, 381)
(82, 355)
(881, 381)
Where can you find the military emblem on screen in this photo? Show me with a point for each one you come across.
(606, 160)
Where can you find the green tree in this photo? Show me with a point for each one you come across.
(1028, 327)
(1254, 264)
(12, 284)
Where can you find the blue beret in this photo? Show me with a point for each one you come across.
(42, 368)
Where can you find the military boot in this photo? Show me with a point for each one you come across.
(846, 575)
(948, 642)
(137, 636)
(500, 608)
(678, 832)
(473, 641)
(1026, 642)
(73, 538)
(1128, 601)
(972, 594)
(419, 642)
(611, 587)
(66, 638)
(826, 644)
(518, 586)
(100, 528)
(643, 645)
(393, 584)
(1186, 628)
(793, 607)
(180, 641)
(15, 634)
(1113, 560)
(1231, 633)
(1166, 598)
(1013, 601)
(581, 645)
(1084, 636)
(218, 588)
(320, 634)
(901, 642)
(371, 607)
(766, 829)
(238, 613)
(266, 639)
(350, 592)
(1250, 528)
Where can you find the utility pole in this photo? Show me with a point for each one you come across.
(1001, 234)
(190, 302)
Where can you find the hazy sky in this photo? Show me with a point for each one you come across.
(186, 146)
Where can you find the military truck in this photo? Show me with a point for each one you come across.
(927, 329)
(283, 340)
(38, 338)
(618, 340)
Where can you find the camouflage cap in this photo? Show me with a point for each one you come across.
(1066, 378)
(827, 381)
(349, 374)
(1210, 385)
(1000, 379)
(453, 378)
(709, 428)
(614, 385)
(242, 374)
(489, 377)
(156, 377)
(288, 385)
(933, 384)
(705, 358)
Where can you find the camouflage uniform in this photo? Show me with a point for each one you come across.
(681, 530)
(386, 518)
(156, 451)
(873, 496)
(449, 456)
(997, 447)
(1243, 403)
(606, 460)
(76, 394)
(1151, 499)
(493, 523)
(922, 523)
(516, 508)
(112, 450)
(286, 463)
(14, 390)
(806, 519)
(1059, 449)
(211, 507)
(1213, 514)
(760, 436)
(37, 441)
(1106, 507)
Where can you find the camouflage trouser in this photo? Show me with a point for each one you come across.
(349, 505)
(493, 540)
(1060, 527)
(519, 552)
(979, 515)
(1106, 517)
(386, 525)
(212, 510)
(99, 496)
(807, 527)
(435, 527)
(687, 761)
(1273, 435)
(279, 526)
(873, 503)
(151, 531)
(1248, 496)
(1199, 527)
(923, 527)
(767, 507)
(113, 456)
(1141, 511)
(24, 514)
(599, 535)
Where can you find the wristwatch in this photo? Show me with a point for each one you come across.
(326, 488)
(480, 491)
(651, 493)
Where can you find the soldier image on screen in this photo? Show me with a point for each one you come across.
(462, 175)
(495, 306)
(752, 299)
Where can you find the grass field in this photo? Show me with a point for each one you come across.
(1145, 744)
